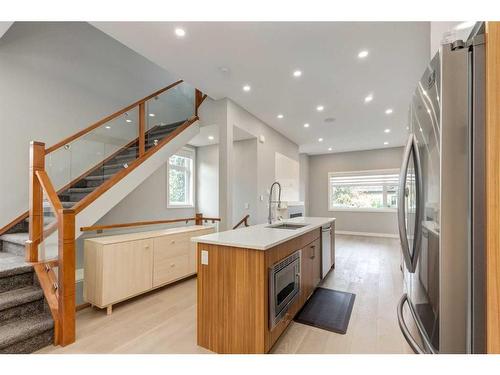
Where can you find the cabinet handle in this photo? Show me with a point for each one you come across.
(172, 265)
(146, 247)
(173, 241)
(314, 251)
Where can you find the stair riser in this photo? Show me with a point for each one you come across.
(30, 345)
(107, 171)
(73, 197)
(13, 248)
(22, 311)
(95, 183)
(16, 281)
(21, 227)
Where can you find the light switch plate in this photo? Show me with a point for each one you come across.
(204, 257)
(247, 206)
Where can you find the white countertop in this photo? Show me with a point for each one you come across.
(260, 237)
(125, 237)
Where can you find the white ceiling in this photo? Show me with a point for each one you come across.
(204, 137)
(264, 55)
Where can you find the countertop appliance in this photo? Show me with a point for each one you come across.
(441, 204)
(327, 255)
(284, 286)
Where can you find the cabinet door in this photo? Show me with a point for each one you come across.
(306, 273)
(316, 262)
(127, 270)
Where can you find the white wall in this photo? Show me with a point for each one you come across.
(365, 222)
(58, 78)
(207, 180)
(304, 181)
(227, 114)
(274, 142)
(244, 180)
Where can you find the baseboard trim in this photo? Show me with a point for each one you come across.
(367, 234)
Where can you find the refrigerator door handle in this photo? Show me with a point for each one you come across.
(410, 261)
(404, 329)
(406, 332)
(401, 203)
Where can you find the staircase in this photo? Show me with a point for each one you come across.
(33, 309)
(26, 323)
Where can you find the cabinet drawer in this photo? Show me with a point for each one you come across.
(172, 245)
(169, 269)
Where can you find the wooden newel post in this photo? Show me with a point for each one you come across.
(199, 219)
(37, 163)
(66, 276)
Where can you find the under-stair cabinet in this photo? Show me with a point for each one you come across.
(122, 266)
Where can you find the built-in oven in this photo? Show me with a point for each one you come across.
(284, 287)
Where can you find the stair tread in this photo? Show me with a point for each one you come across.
(80, 190)
(11, 264)
(22, 329)
(20, 296)
(17, 238)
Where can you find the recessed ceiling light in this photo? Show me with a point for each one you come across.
(128, 120)
(388, 111)
(306, 125)
(319, 108)
(464, 25)
(362, 54)
(108, 127)
(320, 139)
(180, 32)
(211, 137)
(329, 149)
(386, 143)
(280, 116)
(151, 115)
(297, 73)
(369, 98)
(387, 130)
(246, 88)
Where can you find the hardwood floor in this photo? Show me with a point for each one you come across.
(164, 321)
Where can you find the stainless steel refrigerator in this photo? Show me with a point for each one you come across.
(441, 207)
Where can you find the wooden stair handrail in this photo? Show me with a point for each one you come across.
(100, 228)
(109, 118)
(244, 220)
(90, 198)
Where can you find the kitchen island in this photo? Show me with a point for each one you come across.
(252, 281)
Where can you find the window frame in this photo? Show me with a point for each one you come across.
(361, 173)
(189, 153)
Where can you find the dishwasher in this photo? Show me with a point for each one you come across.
(327, 255)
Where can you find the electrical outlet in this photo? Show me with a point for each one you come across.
(204, 257)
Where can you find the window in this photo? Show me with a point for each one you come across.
(181, 179)
(375, 190)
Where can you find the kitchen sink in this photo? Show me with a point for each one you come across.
(287, 226)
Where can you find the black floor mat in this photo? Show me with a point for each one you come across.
(327, 309)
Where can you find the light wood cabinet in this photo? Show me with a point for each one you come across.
(123, 266)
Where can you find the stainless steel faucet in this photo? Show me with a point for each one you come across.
(269, 219)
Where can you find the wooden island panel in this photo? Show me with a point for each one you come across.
(233, 298)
